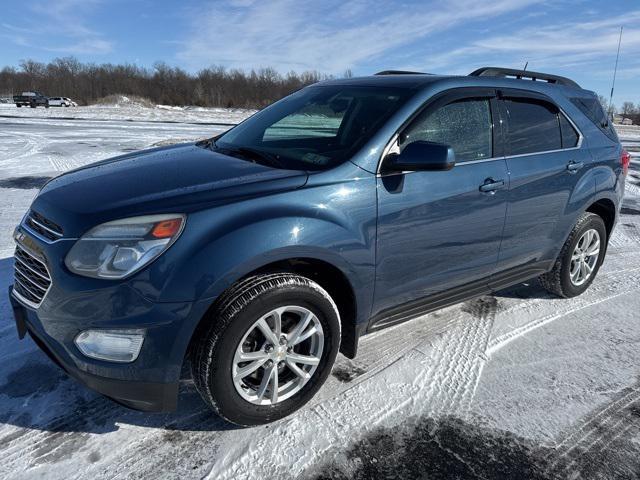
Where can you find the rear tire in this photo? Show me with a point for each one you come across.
(587, 239)
(232, 332)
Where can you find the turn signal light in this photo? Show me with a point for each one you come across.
(625, 160)
(166, 228)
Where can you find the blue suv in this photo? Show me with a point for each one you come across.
(348, 206)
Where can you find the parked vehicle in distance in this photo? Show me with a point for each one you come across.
(349, 206)
(71, 102)
(59, 102)
(31, 99)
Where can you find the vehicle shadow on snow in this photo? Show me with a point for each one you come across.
(36, 394)
(454, 448)
(25, 183)
(527, 290)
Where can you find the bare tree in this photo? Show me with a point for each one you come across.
(604, 102)
(628, 108)
(163, 84)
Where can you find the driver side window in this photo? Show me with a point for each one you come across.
(465, 125)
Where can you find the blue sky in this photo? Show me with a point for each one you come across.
(576, 38)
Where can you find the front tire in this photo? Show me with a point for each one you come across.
(580, 258)
(270, 345)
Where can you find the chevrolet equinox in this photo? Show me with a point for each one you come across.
(349, 206)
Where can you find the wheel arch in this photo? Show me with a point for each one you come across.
(326, 274)
(605, 209)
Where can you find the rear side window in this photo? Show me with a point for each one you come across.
(464, 125)
(532, 126)
(592, 108)
(569, 134)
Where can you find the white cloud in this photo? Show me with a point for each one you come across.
(58, 26)
(328, 36)
(563, 44)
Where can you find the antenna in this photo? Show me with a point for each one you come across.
(613, 84)
(525, 67)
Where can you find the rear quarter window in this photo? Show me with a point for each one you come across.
(592, 109)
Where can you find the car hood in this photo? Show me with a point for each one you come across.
(179, 178)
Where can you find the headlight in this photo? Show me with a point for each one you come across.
(117, 249)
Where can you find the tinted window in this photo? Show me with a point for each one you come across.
(592, 108)
(569, 134)
(464, 125)
(532, 126)
(315, 128)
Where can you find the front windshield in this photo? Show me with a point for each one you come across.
(315, 128)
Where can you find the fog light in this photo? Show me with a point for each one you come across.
(111, 345)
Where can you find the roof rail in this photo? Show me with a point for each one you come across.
(400, 72)
(520, 74)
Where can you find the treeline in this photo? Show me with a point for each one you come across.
(211, 87)
(630, 111)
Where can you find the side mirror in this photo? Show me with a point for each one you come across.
(421, 156)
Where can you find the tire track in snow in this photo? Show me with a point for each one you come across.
(379, 350)
(626, 234)
(37, 443)
(182, 447)
(601, 292)
(30, 143)
(631, 190)
(597, 432)
(456, 362)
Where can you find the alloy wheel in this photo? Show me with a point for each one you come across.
(584, 257)
(278, 355)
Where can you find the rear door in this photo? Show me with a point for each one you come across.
(442, 229)
(546, 164)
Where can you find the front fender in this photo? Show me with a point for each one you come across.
(333, 222)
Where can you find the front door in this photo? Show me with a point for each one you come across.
(442, 229)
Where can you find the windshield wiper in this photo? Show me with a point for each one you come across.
(248, 153)
(262, 157)
(209, 143)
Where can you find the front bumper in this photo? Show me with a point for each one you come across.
(150, 383)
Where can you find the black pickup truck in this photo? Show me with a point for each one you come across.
(31, 99)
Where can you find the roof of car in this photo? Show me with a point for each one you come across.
(419, 81)
(393, 80)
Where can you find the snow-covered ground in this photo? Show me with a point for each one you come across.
(128, 112)
(513, 385)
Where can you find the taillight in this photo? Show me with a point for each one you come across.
(625, 159)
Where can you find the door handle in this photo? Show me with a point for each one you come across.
(490, 185)
(573, 167)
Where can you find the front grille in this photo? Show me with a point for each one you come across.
(32, 279)
(43, 226)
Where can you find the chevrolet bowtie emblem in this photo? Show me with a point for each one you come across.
(18, 236)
